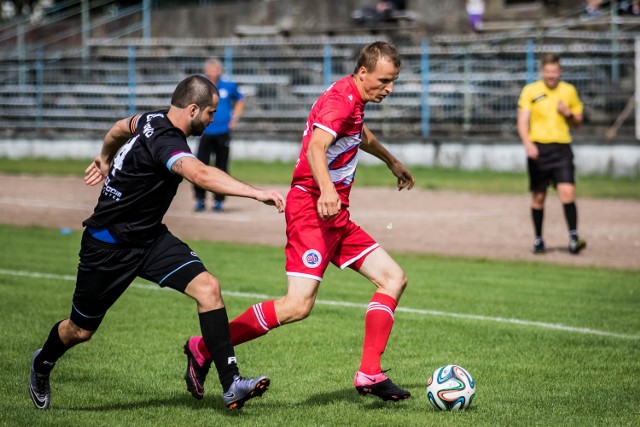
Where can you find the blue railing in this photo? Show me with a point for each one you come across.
(461, 89)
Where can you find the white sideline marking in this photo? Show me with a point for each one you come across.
(543, 325)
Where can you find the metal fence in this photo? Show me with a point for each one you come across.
(446, 89)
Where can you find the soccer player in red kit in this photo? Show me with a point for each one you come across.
(319, 228)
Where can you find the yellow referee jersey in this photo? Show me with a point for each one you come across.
(546, 125)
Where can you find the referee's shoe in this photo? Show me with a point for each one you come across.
(576, 244)
(39, 389)
(538, 246)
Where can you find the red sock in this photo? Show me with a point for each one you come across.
(378, 322)
(255, 322)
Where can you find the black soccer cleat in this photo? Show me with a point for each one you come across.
(39, 388)
(576, 245)
(379, 385)
(538, 246)
(195, 374)
(243, 389)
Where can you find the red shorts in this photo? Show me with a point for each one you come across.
(313, 242)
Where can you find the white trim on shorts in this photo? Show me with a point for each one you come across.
(363, 253)
(308, 276)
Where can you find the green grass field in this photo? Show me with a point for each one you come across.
(547, 345)
(430, 178)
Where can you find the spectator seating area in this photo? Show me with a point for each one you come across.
(467, 90)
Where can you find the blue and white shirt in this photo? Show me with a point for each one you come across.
(229, 95)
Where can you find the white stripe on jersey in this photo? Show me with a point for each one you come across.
(347, 171)
(323, 127)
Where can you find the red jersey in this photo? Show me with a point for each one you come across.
(339, 111)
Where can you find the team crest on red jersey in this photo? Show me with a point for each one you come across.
(311, 258)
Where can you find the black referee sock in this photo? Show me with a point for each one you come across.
(537, 215)
(52, 350)
(571, 215)
(214, 325)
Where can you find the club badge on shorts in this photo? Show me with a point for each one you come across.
(311, 258)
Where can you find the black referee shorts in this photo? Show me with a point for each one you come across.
(106, 270)
(554, 165)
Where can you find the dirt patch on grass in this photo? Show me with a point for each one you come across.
(418, 221)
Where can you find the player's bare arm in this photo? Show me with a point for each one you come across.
(117, 136)
(523, 132)
(217, 181)
(329, 202)
(238, 109)
(371, 145)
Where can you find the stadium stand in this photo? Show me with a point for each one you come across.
(470, 85)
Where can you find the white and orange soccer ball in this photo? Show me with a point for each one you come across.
(451, 388)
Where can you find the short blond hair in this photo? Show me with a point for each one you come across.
(370, 54)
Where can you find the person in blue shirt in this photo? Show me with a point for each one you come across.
(216, 138)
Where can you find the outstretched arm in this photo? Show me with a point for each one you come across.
(217, 181)
(115, 138)
(371, 145)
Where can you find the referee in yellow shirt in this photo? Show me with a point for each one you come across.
(547, 109)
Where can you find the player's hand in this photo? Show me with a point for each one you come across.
(329, 204)
(564, 109)
(405, 178)
(532, 150)
(272, 198)
(96, 172)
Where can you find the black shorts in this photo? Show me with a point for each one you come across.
(554, 165)
(106, 270)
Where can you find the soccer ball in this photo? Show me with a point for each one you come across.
(450, 388)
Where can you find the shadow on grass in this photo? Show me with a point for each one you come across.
(186, 402)
(351, 395)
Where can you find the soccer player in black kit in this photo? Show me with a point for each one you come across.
(143, 160)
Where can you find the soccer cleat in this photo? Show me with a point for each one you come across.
(243, 389)
(576, 245)
(218, 206)
(39, 389)
(196, 374)
(379, 385)
(199, 207)
(538, 246)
